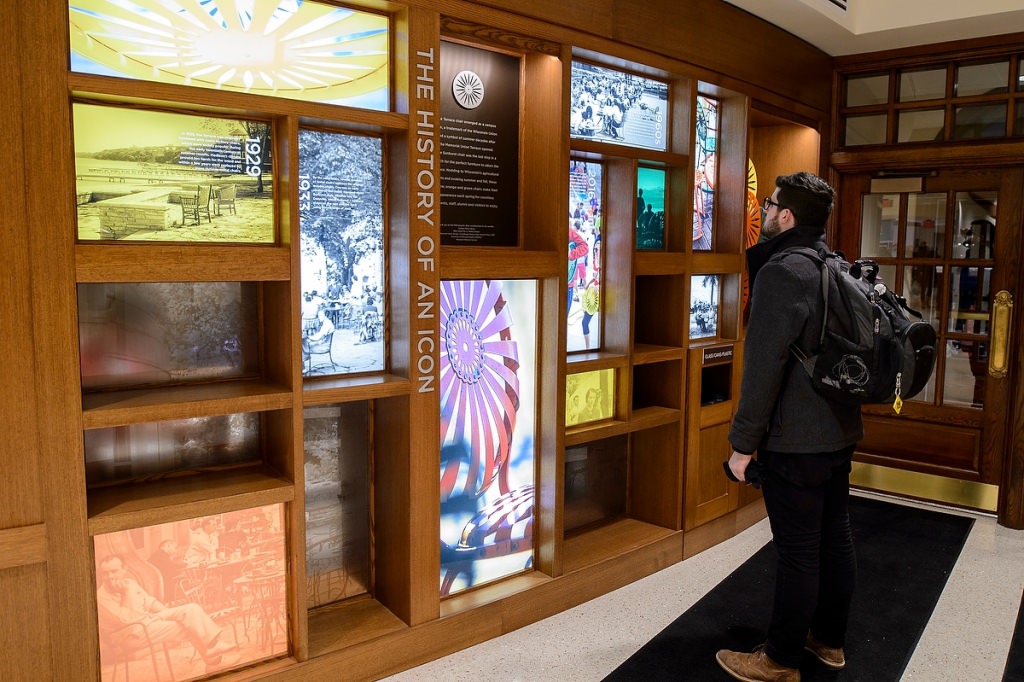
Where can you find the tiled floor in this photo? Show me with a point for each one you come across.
(966, 640)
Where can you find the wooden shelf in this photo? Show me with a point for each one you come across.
(340, 626)
(649, 263)
(650, 417)
(181, 263)
(647, 353)
(187, 496)
(651, 157)
(348, 389)
(609, 541)
(139, 406)
(594, 361)
(120, 90)
(474, 262)
(643, 418)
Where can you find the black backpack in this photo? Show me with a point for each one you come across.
(870, 350)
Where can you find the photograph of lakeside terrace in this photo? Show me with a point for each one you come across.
(158, 176)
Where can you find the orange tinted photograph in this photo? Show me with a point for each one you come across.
(188, 599)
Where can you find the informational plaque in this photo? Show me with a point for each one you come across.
(479, 147)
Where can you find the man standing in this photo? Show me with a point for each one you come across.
(804, 442)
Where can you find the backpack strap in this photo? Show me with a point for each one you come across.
(820, 258)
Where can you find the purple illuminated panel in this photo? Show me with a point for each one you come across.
(488, 376)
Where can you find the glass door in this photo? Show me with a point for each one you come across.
(943, 243)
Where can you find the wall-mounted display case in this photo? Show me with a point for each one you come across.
(428, 423)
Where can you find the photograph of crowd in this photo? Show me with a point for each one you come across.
(614, 106)
(704, 305)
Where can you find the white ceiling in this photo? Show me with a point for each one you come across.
(871, 25)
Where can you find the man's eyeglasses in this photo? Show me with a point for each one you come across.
(768, 203)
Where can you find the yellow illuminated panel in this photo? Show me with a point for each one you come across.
(285, 48)
(589, 397)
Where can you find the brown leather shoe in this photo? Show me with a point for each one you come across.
(831, 657)
(755, 667)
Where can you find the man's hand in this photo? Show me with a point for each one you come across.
(738, 463)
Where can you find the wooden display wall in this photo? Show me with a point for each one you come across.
(49, 516)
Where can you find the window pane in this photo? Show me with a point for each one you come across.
(1018, 117)
(923, 84)
(969, 300)
(920, 126)
(922, 286)
(867, 90)
(299, 50)
(880, 216)
(887, 273)
(705, 173)
(976, 224)
(982, 79)
(926, 225)
(1020, 75)
(966, 365)
(865, 129)
(980, 120)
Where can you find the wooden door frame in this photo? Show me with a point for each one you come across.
(1001, 422)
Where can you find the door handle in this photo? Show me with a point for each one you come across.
(998, 359)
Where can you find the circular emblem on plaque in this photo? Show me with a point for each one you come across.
(468, 89)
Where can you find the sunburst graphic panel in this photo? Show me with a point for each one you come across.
(285, 48)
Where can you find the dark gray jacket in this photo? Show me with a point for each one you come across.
(778, 410)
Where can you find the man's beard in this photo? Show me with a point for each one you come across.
(771, 228)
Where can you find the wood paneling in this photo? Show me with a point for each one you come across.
(698, 32)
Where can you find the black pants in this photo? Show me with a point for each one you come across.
(806, 497)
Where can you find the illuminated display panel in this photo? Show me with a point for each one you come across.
(705, 173)
(341, 232)
(589, 396)
(705, 303)
(286, 48)
(619, 107)
(159, 176)
(202, 595)
(583, 291)
(650, 209)
(487, 372)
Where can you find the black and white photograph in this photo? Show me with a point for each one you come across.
(704, 306)
(615, 106)
(341, 225)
